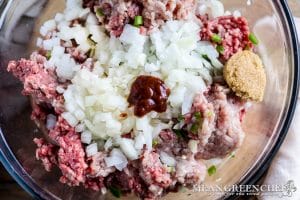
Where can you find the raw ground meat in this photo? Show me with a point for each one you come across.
(189, 171)
(38, 81)
(117, 13)
(97, 166)
(170, 143)
(221, 130)
(47, 153)
(153, 171)
(234, 32)
(71, 159)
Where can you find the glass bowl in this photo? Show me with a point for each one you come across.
(265, 125)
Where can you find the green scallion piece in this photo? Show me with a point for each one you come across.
(92, 52)
(206, 57)
(99, 12)
(91, 41)
(198, 116)
(209, 113)
(179, 133)
(138, 21)
(194, 128)
(48, 55)
(180, 118)
(115, 191)
(155, 142)
(220, 49)
(253, 39)
(216, 38)
(232, 155)
(211, 170)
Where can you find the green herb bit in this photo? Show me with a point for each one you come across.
(115, 191)
(216, 38)
(194, 128)
(99, 12)
(181, 117)
(198, 116)
(211, 170)
(48, 55)
(91, 41)
(232, 155)
(181, 133)
(209, 114)
(92, 52)
(171, 169)
(138, 21)
(155, 142)
(220, 49)
(206, 57)
(253, 39)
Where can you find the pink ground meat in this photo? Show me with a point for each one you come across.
(98, 166)
(118, 13)
(189, 171)
(221, 131)
(153, 171)
(38, 81)
(47, 153)
(234, 32)
(71, 159)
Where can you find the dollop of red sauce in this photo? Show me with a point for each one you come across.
(148, 94)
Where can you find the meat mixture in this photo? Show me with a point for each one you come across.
(211, 129)
(115, 14)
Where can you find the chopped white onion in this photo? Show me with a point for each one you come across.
(108, 144)
(116, 159)
(167, 159)
(86, 137)
(91, 149)
(127, 146)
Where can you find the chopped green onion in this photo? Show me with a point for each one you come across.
(216, 38)
(211, 170)
(206, 57)
(253, 39)
(181, 117)
(180, 133)
(220, 49)
(48, 55)
(209, 113)
(99, 12)
(91, 41)
(194, 128)
(155, 142)
(198, 116)
(232, 155)
(138, 21)
(92, 52)
(171, 169)
(115, 191)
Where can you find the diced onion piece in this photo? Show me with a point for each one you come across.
(86, 137)
(116, 159)
(127, 147)
(91, 149)
(108, 144)
(167, 159)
